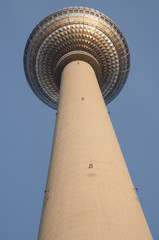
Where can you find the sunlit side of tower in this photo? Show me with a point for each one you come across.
(76, 60)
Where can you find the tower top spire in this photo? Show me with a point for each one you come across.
(76, 33)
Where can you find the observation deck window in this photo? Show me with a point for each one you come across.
(49, 18)
(114, 27)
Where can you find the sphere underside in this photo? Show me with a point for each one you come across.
(69, 30)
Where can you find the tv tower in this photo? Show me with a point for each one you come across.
(76, 60)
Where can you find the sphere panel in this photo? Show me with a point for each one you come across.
(75, 29)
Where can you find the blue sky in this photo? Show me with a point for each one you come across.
(27, 125)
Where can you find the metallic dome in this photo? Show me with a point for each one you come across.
(76, 33)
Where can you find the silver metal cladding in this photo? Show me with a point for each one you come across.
(77, 30)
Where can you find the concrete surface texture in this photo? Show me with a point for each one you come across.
(89, 194)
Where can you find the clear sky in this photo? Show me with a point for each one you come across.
(27, 125)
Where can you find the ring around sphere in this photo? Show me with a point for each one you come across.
(76, 33)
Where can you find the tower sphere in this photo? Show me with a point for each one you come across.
(76, 33)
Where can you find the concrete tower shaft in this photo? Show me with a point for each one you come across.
(76, 60)
(89, 193)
